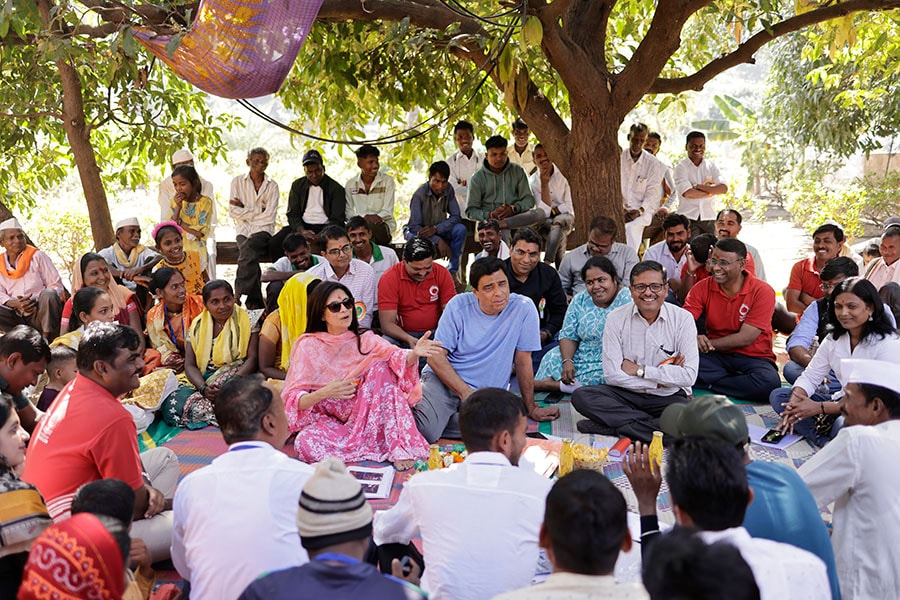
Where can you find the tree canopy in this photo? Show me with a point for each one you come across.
(573, 69)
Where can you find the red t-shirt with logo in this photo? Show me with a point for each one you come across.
(754, 305)
(86, 435)
(418, 305)
(805, 277)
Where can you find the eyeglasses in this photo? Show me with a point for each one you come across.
(336, 307)
(640, 288)
(712, 262)
(345, 249)
(827, 287)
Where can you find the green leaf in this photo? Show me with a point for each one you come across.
(128, 42)
(665, 103)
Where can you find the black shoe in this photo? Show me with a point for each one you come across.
(588, 426)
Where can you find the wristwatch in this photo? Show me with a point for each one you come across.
(640, 371)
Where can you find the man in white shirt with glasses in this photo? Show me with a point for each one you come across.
(650, 360)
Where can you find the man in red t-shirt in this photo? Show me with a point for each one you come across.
(735, 346)
(412, 295)
(88, 435)
(804, 285)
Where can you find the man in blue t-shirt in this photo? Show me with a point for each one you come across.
(486, 334)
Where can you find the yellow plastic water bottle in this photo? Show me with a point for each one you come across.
(656, 450)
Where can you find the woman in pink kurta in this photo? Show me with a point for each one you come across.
(348, 394)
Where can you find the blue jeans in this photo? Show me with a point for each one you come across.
(744, 377)
(805, 427)
(793, 370)
(456, 239)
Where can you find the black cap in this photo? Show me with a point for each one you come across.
(312, 157)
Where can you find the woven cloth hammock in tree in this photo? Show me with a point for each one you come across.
(238, 48)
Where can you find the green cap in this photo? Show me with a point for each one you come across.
(710, 416)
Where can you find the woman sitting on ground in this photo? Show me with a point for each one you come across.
(221, 344)
(89, 304)
(169, 320)
(349, 394)
(92, 270)
(858, 327)
(277, 336)
(23, 515)
(578, 360)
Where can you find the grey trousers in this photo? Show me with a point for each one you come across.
(437, 414)
(161, 466)
(631, 414)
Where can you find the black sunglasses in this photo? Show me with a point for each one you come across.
(335, 307)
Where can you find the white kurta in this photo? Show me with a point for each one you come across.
(857, 471)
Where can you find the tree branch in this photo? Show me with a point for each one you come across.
(34, 115)
(422, 13)
(745, 52)
(569, 59)
(150, 15)
(585, 22)
(553, 10)
(661, 41)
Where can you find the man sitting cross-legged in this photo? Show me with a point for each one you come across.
(479, 520)
(485, 334)
(736, 356)
(650, 361)
(585, 527)
(215, 545)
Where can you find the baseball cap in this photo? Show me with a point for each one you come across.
(312, 157)
(710, 416)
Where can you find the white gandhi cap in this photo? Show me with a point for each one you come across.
(11, 224)
(874, 372)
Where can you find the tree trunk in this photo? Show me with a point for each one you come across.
(592, 167)
(79, 135)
